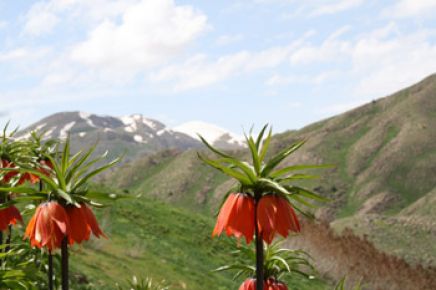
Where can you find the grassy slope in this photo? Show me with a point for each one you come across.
(149, 238)
(385, 157)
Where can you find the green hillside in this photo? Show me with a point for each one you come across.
(149, 238)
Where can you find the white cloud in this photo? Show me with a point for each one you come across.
(12, 55)
(412, 8)
(3, 24)
(44, 16)
(149, 34)
(228, 39)
(200, 71)
(386, 65)
(317, 79)
(335, 6)
(40, 19)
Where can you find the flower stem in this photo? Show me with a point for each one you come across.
(259, 250)
(9, 237)
(8, 240)
(64, 254)
(50, 271)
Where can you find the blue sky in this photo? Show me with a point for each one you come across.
(231, 63)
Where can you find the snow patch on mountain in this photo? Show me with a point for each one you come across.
(85, 116)
(130, 123)
(39, 127)
(138, 138)
(149, 123)
(64, 131)
(210, 132)
(49, 132)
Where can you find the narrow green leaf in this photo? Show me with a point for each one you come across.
(265, 146)
(307, 193)
(298, 177)
(65, 156)
(93, 173)
(213, 149)
(248, 170)
(254, 154)
(64, 195)
(226, 170)
(288, 169)
(280, 157)
(260, 136)
(274, 186)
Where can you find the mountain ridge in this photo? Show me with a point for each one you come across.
(132, 135)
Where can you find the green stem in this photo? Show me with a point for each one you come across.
(50, 271)
(1, 237)
(64, 253)
(8, 240)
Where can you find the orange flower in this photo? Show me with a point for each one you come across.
(236, 217)
(9, 216)
(269, 284)
(28, 177)
(45, 167)
(9, 174)
(250, 284)
(83, 222)
(272, 284)
(48, 226)
(276, 215)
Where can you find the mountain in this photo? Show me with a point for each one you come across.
(383, 186)
(133, 135)
(215, 135)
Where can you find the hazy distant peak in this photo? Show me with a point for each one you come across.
(212, 133)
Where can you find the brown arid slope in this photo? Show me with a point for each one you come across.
(357, 258)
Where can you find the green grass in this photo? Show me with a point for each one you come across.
(149, 238)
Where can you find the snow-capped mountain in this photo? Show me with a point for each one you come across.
(213, 134)
(131, 134)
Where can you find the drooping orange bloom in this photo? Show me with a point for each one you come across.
(276, 215)
(48, 226)
(268, 284)
(9, 174)
(236, 217)
(45, 167)
(9, 216)
(28, 177)
(272, 284)
(82, 222)
(250, 284)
